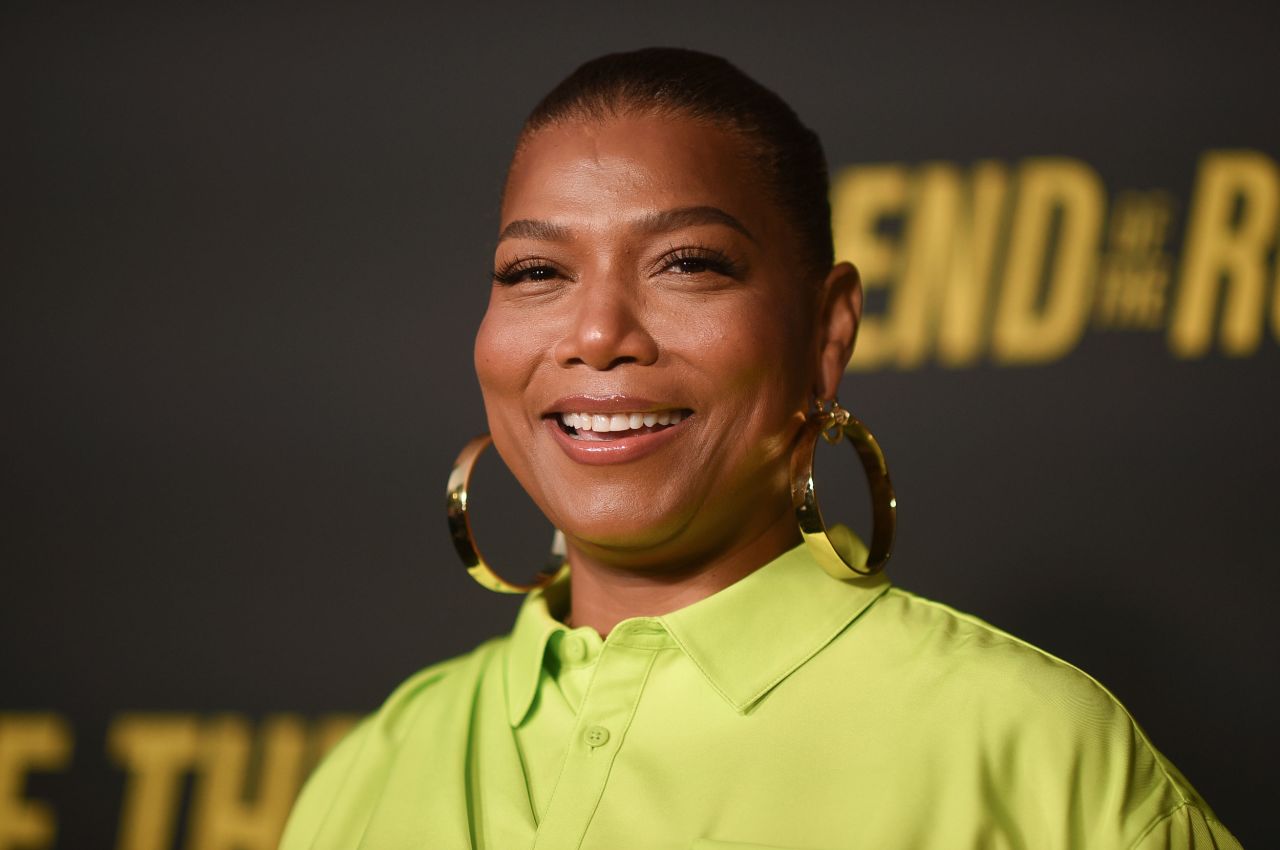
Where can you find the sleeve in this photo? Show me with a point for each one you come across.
(322, 789)
(425, 720)
(1187, 828)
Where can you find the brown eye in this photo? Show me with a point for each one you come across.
(691, 266)
(522, 272)
(700, 261)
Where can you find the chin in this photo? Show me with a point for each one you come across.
(619, 520)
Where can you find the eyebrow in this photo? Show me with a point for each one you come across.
(656, 222)
(529, 228)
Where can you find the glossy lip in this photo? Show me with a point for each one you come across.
(621, 450)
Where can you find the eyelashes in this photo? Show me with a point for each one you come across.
(694, 261)
(699, 259)
(519, 271)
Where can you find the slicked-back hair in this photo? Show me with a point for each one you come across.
(688, 83)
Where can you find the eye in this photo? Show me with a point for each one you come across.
(522, 271)
(694, 261)
(691, 265)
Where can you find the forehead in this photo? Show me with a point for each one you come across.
(595, 169)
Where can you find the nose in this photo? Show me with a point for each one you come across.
(607, 328)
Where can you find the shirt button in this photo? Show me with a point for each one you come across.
(574, 648)
(596, 736)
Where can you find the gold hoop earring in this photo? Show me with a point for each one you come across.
(833, 425)
(464, 541)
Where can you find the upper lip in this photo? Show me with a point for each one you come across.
(608, 404)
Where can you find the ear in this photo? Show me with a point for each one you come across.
(841, 311)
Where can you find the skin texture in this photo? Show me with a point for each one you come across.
(601, 292)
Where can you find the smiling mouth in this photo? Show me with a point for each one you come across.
(606, 427)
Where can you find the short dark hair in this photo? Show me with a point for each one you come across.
(708, 88)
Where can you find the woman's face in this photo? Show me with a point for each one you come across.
(651, 341)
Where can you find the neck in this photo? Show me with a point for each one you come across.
(604, 594)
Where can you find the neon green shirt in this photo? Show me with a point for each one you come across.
(790, 710)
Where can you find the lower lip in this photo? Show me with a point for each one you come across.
(621, 450)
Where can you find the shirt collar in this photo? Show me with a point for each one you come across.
(535, 624)
(745, 639)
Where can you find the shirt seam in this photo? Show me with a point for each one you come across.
(586, 696)
(1185, 804)
(564, 759)
(622, 739)
(1181, 795)
(642, 645)
(1156, 822)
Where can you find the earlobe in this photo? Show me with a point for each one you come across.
(840, 316)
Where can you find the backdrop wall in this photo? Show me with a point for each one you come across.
(244, 251)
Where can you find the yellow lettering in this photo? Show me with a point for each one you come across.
(1231, 229)
(1135, 273)
(236, 807)
(863, 199)
(29, 742)
(156, 751)
(928, 265)
(1048, 277)
(951, 240)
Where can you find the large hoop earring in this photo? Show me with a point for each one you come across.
(464, 541)
(833, 425)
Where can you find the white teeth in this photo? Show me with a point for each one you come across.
(601, 422)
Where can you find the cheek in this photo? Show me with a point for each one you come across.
(756, 353)
(768, 370)
(504, 359)
(502, 354)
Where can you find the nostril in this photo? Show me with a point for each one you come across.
(621, 361)
(602, 365)
(606, 334)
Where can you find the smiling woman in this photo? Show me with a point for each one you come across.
(664, 340)
(645, 272)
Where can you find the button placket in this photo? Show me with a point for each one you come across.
(606, 711)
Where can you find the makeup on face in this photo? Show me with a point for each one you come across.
(643, 355)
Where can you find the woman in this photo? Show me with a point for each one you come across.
(664, 341)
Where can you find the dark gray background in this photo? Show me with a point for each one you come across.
(244, 252)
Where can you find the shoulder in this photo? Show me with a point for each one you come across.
(959, 649)
(993, 676)
(423, 720)
(445, 683)
(1045, 735)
